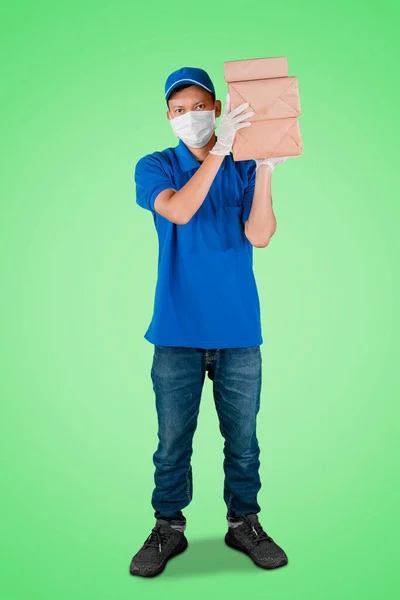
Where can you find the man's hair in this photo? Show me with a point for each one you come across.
(185, 85)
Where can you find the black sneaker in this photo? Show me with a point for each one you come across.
(249, 537)
(163, 543)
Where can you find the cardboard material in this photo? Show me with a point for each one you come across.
(269, 98)
(255, 68)
(268, 139)
(274, 97)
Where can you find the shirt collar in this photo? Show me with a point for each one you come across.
(186, 159)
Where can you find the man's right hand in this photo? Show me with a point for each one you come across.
(231, 121)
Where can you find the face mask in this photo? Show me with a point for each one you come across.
(195, 127)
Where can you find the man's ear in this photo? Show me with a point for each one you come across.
(167, 113)
(217, 108)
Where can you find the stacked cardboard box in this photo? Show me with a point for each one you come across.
(274, 97)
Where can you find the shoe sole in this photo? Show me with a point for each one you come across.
(179, 549)
(231, 544)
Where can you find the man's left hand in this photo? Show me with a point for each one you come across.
(271, 162)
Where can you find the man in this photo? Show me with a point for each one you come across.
(209, 211)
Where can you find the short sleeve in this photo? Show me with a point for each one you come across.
(150, 179)
(249, 191)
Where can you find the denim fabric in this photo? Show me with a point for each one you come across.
(178, 375)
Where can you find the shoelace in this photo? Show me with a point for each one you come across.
(256, 532)
(156, 538)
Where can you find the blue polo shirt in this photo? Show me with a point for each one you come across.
(206, 294)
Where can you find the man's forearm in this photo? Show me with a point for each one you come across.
(187, 201)
(261, 224)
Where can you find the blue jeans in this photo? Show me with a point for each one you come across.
(178, 375)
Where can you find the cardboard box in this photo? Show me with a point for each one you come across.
(268, 98)
(255, 68)
(274, 98)
(268, 139)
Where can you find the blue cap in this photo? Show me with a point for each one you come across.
(188, 75)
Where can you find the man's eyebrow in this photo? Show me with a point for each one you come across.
(194, 104)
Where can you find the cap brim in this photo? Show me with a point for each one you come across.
(181, 82)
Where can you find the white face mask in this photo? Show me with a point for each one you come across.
(195, 127)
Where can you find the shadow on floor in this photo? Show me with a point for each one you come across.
(208, 556)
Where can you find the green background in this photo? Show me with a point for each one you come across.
(82, 101)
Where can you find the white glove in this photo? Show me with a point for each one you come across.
(272, 162)
(230, 123)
